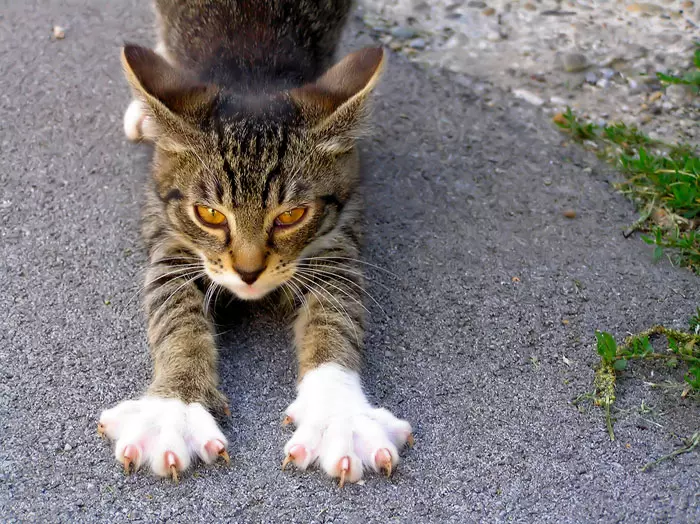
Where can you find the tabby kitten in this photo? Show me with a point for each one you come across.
(254, 191)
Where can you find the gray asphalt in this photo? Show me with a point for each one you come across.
(462, 198)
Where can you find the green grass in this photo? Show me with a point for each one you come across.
(662, 179)
(691, 78)
(682, 348)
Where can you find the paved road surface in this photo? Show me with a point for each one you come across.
(461, 199)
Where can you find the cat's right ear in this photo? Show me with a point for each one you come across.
(336, 104)
(173, 101)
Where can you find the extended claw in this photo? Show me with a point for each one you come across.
(344, 470)
(171, 463)
(383, 460)
(216, 447)
(101, 429)
(130, 456)
(296, 452)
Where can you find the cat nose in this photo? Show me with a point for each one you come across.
(249, 276)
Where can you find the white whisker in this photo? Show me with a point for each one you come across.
(358, 261)
(357, 286)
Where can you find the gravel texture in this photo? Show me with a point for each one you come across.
(599, 57)
(486, 338)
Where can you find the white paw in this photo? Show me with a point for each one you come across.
(133, 120)
(163, 433)
(338, 428)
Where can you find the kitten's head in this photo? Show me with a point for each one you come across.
(254, 183)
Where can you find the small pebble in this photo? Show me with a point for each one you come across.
(59, 33)
(530, 7)
(591, 77)
(607, 72)
(645, 8)
(634, 51)
(417, 43)
(603, 83)
(403, 32)
(656, 95)
(493, 36)
(489, 11)
(687, 4)
(67, 447)
(679, 94)
(570, 213)
(529, 97)
(476, 4)
(559, 118)
(574, 62)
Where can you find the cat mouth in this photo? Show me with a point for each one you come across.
(242, 290)
(248, 292)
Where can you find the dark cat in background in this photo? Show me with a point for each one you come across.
(254, 193)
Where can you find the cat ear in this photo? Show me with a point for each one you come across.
(173, 102)
(335, 105)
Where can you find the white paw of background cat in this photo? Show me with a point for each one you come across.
(133, 120)
(339, 429)
(166, 434)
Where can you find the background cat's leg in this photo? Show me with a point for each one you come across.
(336, 425)
(172, 424)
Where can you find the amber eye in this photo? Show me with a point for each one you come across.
(210, 216)
(290, 217)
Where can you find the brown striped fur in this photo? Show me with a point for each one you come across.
(246, 117)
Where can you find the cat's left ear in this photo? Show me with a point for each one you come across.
(336, 104)
(175, 103)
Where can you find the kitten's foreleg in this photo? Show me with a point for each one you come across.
(172, 423)
(336, 425)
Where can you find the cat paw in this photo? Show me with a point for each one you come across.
(133, 121)
(166, 434)
(338, 429)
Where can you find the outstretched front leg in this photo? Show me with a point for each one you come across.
(172, 423)
(337, 427)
